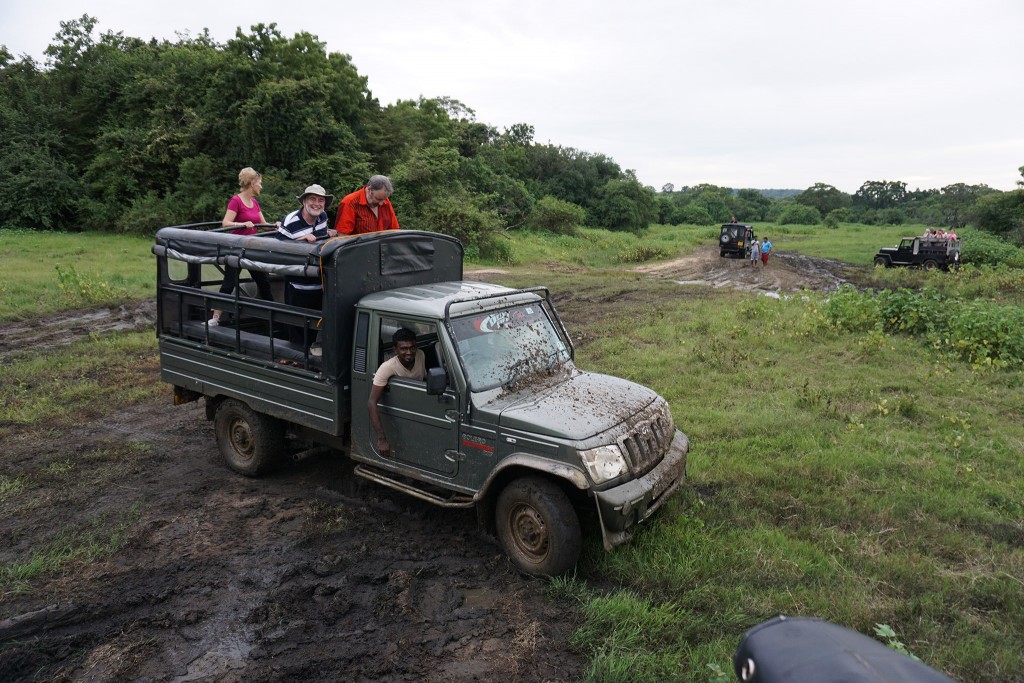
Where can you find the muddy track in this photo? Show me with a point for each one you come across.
(785, 272)
(308, 574)
(40, 334)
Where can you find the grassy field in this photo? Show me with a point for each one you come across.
(862, 476)
(48, 272)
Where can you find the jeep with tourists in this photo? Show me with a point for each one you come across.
(926, 252)
(504, 421)
(735, 240)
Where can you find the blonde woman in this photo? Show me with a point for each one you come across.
(244, 214)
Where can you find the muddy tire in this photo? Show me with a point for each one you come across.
(882, 261)
(930, 265)
(251, 443)
(538, 527)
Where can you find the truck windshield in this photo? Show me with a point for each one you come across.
(501, 347)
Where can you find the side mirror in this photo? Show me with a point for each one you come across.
(437, 381)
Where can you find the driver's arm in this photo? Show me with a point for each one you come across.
(383, 447)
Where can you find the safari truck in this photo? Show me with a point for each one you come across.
(927, 252)
(504, 421)
(735, 240)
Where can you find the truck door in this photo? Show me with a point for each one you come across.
(421, 429)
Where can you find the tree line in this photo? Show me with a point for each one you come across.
(876, 202)
(123, 134)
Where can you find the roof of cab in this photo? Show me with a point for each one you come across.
(430, 300)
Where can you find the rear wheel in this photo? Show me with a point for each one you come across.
(538, 527)
(251, 443)
(882, 261)
(930, 265)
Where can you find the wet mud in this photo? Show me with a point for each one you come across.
(306, 574)
(785, 272)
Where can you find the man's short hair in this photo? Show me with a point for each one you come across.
(403, 334)
(380, 182)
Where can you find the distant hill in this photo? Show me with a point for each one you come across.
(778, 194)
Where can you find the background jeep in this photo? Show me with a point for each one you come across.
(926, 252)
(735, 240)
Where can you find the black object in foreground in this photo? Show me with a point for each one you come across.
(810, 650)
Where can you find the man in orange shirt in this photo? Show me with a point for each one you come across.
(368, 209)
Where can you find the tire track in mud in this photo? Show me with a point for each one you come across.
(785, 272)
(40, 334)
(307, 573)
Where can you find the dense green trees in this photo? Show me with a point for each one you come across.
(117, 133)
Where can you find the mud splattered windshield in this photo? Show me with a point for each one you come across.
(502, 347)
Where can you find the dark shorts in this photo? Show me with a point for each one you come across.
(764, 258)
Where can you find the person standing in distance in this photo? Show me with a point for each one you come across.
(766, 248)
(368, 209)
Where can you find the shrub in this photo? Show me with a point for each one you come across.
(799, 214)
(641, 253)
(478, 230)
(981, 248)
(980, 332)
(623, 204)
(1001, 213)
(691, 214)
(555, 215)
(837, 216)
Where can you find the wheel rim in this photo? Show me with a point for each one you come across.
(242, 441)
(528, 532)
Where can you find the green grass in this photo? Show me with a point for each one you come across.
(843, 472)
(852, 243)
(857, 477)
(78, 381)
(91, 542)
(48, 272)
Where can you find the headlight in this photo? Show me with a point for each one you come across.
(604, 463)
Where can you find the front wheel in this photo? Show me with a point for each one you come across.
(538, 527)
(882, 261)
(251, 443)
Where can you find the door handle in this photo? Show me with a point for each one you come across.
(451, 415)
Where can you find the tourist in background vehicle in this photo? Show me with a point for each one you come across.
(244, 214)
(368, 209)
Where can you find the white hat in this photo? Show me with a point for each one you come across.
(317, 189)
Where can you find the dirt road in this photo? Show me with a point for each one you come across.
(785, 272)
(308, 574)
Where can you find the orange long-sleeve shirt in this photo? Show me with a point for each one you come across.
(355, 216)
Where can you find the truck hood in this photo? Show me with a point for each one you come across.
(582, 406)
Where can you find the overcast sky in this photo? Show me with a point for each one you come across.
(738, 93)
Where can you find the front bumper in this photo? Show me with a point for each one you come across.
(622, 508)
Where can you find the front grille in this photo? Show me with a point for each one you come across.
(645, 446)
